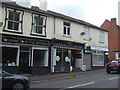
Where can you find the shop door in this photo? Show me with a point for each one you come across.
(24, 62)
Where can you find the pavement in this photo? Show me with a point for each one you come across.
(56, 76)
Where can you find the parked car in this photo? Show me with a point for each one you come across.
(14, 82)
(113, 65)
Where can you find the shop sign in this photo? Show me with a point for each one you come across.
(88, 51)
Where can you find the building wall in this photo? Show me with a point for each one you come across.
(76, 36)
(113, 36)
(27, 24)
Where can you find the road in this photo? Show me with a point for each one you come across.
(92, 80)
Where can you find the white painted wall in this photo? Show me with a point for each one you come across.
(27, 22)
(76, 29)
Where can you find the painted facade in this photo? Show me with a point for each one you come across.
(45, 41)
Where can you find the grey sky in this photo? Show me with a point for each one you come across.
(92, 11)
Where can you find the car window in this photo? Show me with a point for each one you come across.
(114, 62)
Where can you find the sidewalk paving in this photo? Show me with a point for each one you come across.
(47, 77)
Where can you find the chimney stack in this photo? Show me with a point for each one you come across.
(43, 4)
(113, 20)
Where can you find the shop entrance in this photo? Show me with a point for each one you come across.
(24, 60)
(76, 59)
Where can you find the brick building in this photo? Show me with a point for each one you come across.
(113, 37)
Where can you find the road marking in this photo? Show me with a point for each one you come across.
(81, 85)
(113, 78)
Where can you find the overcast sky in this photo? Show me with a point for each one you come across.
(92, 11)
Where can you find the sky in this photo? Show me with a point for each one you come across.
(91, 11)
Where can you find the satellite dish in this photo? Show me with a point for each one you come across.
(24, 3)
(82, 33)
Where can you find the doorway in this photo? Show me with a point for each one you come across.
(24, 61)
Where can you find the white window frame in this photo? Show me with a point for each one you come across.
(18, 53)
(37, 48)
(87, 33)
(43, 26)
(20, 19)
(67, 27)
(102, 37)
(98, 53)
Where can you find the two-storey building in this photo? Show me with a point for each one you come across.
(114, 38)
(38, 41)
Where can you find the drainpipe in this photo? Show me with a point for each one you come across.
(54, 27)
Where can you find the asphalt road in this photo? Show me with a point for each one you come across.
(92, 80)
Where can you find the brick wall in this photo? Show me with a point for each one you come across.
(113, 39)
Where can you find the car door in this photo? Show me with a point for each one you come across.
(6, 80)
(0, 80)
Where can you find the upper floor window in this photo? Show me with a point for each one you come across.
(102, 36)
(66, 28)
(87, 33)
(38, 25)
(13, 20)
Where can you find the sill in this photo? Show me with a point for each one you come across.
(87, 39)
(68, 36)
(12, 31)
(33, 34)
(101, 42)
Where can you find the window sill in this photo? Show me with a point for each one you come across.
(101, 42)
(12, 31)
(87, 39)
(68, 36)
(42, 35)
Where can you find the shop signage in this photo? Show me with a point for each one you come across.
(25, 41)
(88, 51)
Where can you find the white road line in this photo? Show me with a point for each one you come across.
(81, 85)
(113, 78)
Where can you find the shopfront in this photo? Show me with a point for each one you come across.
(98, 56)
(66, 56)
(24, 55)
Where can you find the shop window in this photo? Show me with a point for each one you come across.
(98, 58)
(9, 56)
(64, 56)
(38, 25)
(40, 58)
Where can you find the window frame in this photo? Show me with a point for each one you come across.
(67, 31)
(20, 29)
(102, 37)
(87, 33)
(43, 26)
(18, 53)
(46, 55)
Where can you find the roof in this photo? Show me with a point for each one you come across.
(34, 9)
